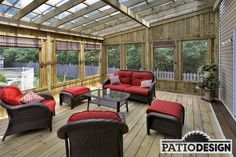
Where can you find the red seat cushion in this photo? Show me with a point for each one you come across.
(94, 115)
(166, 107)
(138, 77)
(117, 87)
(11, 95)
(77, 90)
(50, 104)
(124, 76)
(137, 90)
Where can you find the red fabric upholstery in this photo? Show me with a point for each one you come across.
(11, 95)
(137, 90)
(94, 115)
(77, 90)
(50, 104)
(166, 107)
(125, 76)
(138, 77)
(117, 87)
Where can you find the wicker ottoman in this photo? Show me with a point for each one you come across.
(73, 96)
(165, 117)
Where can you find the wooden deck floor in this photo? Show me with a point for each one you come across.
(199, 116)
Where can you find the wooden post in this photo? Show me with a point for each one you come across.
(152, 66)
(178, 61)
(146, 53)
(42, 64)
(209, 50)
(49, 62)
(103, 63)
(81, 62)
(122, 57)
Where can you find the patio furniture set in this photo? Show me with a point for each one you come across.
(83, 134)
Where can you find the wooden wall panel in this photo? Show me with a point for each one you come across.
(227, 24)
(201, 25)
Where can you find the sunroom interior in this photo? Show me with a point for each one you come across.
(52, 45)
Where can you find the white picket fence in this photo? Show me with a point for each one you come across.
(170, 75)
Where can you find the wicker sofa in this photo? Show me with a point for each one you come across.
(130, 83)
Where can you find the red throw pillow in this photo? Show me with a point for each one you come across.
(11, 95)
(94, 115)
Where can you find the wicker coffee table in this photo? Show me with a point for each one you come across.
(113, 99)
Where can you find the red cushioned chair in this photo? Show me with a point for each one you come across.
(24, 117)
(94, 134)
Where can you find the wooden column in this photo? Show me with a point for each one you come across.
(81, 63)
(103, 62)
(49, 61)
(152, 68)
(147, 54)
(122, 57)
(210, 50)
(178, 61)
(42, 64)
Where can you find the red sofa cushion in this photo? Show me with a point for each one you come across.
(94, 115)
(137, 90)
(50, 104)
(11, 95)
(77, 90)
(117, 87)
(124, 76)
(138, 77)
(166, 107)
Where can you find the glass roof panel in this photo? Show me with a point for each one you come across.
(105, 8)
(62, 15)
(90, 2)
(122, 1)
(43, 9)
(11, 1)
(57, 2)
(65, 25)
(23, 3)
(13, 11)
(115, 13)
(50, 21)
(137, 5)
(92, 13)
(3, 8)
(77, 7)
(29, 16)
(77, 19)
(102, 18)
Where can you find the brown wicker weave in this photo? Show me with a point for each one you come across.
(146, 99)
(94, 137)
(28, 116)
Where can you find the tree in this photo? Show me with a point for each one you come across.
(91, 57)
(164, 59)
(133, 56)
(67, 57)
(113, 56)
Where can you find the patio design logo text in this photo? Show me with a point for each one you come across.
(196, 142)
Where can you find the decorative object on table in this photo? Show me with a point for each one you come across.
(73, 95)
(94, 134)
(139, 84)
(210, 81)
(166, 117)
(24, 117)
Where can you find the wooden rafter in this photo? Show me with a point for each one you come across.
(1, 1)
(216, 4)
(114, 21)
(58, 10)
(102, 14)
(30, 25)
(30, 7)
(81, 12)
(163, 15)
(122, 8)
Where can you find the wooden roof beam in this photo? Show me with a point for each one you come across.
(30, 7)
(216, 4)
(122, 8)
(1, 1)
(58, 10)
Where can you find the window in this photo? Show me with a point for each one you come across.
(91, 57)
(133, 56)
(164, 59)
(113, 56)
(194, 55)
(67, 61)
(19, 61)
(20, 66)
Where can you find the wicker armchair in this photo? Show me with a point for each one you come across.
(28, 116)
(94, 137)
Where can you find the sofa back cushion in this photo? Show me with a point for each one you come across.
(124, 76)
(138, 77)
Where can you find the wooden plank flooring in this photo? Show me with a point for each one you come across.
(42, 143)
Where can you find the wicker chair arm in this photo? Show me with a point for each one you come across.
(152, 85)
(46, 96)
(27, 110)
(106, 81)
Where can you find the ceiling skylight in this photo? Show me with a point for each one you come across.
(77, 7)
(23, 3)
(57, 2)
(3, 8)
(105, 8)
(43, 9)
(13, 11)
(90, 2)
(62, 15)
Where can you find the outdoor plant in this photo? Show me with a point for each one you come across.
(3, 79)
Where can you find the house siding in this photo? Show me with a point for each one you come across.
(227, 18)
